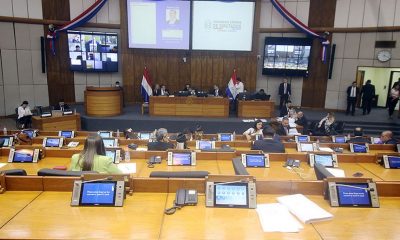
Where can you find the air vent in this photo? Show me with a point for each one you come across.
(385, 44)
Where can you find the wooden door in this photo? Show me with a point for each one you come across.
(360, 83)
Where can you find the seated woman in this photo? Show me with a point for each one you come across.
(161, 143)
(257, 129)
(25, 115)
(326, 127)
(93, 158)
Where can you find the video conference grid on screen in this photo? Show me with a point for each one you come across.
(231, 194)
(215, 25)
(93, 51)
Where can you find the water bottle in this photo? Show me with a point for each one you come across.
(4, 130)
(117, 133)
(127, 156)
(74, 111)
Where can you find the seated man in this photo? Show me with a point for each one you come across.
(358, 136)
(61, 105)
(260, 95)
(269, 144)
(387, 138)
(161, 143)
(216, 92)
(301, 120)
(283, 129)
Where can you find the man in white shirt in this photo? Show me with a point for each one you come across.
(239, 86)
(352, 93)
(25, 115)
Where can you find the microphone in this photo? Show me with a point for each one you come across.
(109, 178)
(351, 186)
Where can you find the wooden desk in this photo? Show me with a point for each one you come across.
(259, 109)
(103, 101)
(33, 168)
(67, 122)
(383, 173)
(189, 106)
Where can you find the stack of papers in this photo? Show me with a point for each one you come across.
(293, 131)
(127, 167)
(304, 209)
(275, 217)
(337, 172)
(325, 149)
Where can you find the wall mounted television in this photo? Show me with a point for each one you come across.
(286, 56)
(93, 51)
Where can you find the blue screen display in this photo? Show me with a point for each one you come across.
(325, 160)
(359, 148)
(105, 134)
(23, 155)
(52, 142)
(181, 158)
(226, 137)
(255, 160)
(205, 145)
(353, 194)
(29, 133)
(108, 142)
(98, 193)
(394, 162)
(231, 194)
(302, 138)
(66, 134)
(111, 154)
(377, 141)
(144, 136)
(6, 141)
(340, 139)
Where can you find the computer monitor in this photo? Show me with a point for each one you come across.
(255, 160)
(110, 142)
(327, 160)
(114, 154)
(353, 194)
(302, 138)
(205, 145)
(8, 141)
(181, 159)
(391, 161)
(231, 194)
(105, 134)
(225, 137)
(305, 147)
(66, 134)
(144, 135)
(359, 147)
(376, 140)
(339, 139)
(30, 132)
(53, 142)
(23, 156)
(98, 193)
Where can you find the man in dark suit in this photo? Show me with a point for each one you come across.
(358, 136)
(269, 144)
(368, 94)
(387, 138)
(161, 143)
(283, 129)
(260, 95)
(284, 92)
(302, 121)
(157, 90)
(352, 93)
(216, 92)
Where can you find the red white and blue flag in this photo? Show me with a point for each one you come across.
(231, 91)
(146, 89)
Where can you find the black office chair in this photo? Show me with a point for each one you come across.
(180, 174)
(14, 172)
(239, 167)
(339, 127)
(63, 173)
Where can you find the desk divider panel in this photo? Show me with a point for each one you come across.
(59, 184)
(175, 183)
(24, 183)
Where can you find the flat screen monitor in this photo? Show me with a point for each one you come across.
(184, 159)
(305, 147)
(231, 195)
(376, 140)
(111, 154)
(158, 24)
(66, 134)
(325, 160)
(225, 137)
(8, 141)
(105, 134)
(23, 155)
(255, 160)
(93, 51)
(286, 56)
(359, 148)
(205, 145)
(144, 135)
(302, 138)
(391, 161)
(52, 142)
(339, 139)
(109, 142)
(353, 194)
(30, 132)
(223, 25)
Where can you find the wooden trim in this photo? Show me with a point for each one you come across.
(333, 29)
(24, 183)
(2, 183)
(56, 22)
(59, 184)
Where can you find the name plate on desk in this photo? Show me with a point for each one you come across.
(98, 193)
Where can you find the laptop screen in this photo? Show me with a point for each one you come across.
(325, 160)
(226, 137)
(52, 142)
(231, 195)
(23, 155)
(66, 134)
(105, 134)
(394, 161)
(353, 194)
(359, 148)
(109, 142)
(98, 193)
(205, 145)
(182, 158)
(255, 160)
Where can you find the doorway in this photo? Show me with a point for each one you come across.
(359, 83)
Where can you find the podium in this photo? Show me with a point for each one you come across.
(103, 101)
(257, 109)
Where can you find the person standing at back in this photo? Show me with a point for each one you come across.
(284, 92)
(393, 99)
(352, 93)
(368, 94)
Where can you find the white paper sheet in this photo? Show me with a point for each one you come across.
(275, 217)
(337, 172)
(127, 167)
(2, 164)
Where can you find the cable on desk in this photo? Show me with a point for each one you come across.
(172, 210)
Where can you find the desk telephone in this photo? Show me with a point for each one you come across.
(184, 197)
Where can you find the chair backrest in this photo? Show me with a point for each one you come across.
(55, 172)
(14, 172)
(179, 174)
(239, 167)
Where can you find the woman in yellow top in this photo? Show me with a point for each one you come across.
(93, 158)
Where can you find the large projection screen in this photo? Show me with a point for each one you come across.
(158, 24)
(222, 25)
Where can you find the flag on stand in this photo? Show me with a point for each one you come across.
(231, 89)
(146, 89)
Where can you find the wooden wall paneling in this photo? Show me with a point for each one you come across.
(195, 70)
(208, 69)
